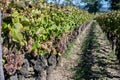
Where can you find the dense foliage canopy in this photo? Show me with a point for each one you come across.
(110, 22)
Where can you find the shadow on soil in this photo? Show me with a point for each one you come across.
(83, 71)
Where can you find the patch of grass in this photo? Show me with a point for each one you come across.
(112, 55)
(67, 52)
(105, 38)
(97, 49)
(104, 78)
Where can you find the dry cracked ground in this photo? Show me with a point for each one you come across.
(90, 58)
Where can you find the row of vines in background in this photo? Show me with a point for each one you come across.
(110, 23)
(37, 34)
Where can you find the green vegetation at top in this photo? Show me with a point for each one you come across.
(110, 22)
(115, 5)
(38, 25)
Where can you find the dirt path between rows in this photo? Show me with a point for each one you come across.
(97, 61)
(65, 71)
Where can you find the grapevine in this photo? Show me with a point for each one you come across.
(38, 33)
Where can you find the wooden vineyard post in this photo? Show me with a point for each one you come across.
(1, 65)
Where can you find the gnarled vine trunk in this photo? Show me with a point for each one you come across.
(1, 65)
